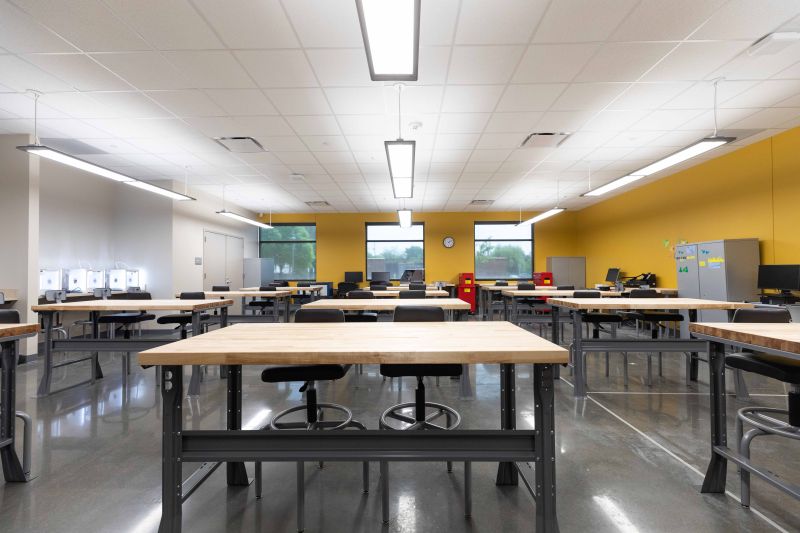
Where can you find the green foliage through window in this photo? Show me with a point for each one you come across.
(293, 248)
(393, 249)
(503, 251)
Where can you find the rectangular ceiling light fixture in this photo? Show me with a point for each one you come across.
(700, 147)
(404, 216)
(400, 155)
(390, 29)
(74, 162)
(240, 218)
(542, 216)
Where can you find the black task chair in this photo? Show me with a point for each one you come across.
(763, 419)
(183, 321)
(220, 288)
(413, 294)
(128, 320)
(361, 316)
(377, 285)
(344, 287)
(262, 305)
(417, 286)
(420, 419)
(495, 298)
(314, 411)
(597, 319)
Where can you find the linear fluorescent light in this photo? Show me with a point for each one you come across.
(75, 162)
(240, 218)
(700, 147)
(400, 154)
(390, 29)
(149, 187)
(404, 215)
(542, 216)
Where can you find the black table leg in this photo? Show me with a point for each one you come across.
(236, 472)
(694, 361)
(507, 472)
(556, 335)
(194, 382)
(171, 478)
(577, 355)
(718, 466)
(47, 373)
(544, 416)
(95, 317)
(12, 469)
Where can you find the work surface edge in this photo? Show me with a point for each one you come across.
(782, 337)
(16, 330)
(134, 305)
(625, 304)
(386, 304)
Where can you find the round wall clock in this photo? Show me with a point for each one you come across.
(448, 242)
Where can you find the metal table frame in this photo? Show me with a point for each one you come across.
(13, 471)
(234, 446)
(717, 471)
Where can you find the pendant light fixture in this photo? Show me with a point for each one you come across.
(241, 218)
(547, 214)
(390, 29)
(400, 155)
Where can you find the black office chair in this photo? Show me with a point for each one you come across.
(360, 295)
(302, 298)
(344, 287)
(184, 320)
(361, 316)
(420, 419)
(496, 298)
(413, 294)
(597, 319)
(314, 411)
(260, 306)
(378, 285)
(565, 288)
(128, 320)
(220, 288)
(763, 419)
(417, 286)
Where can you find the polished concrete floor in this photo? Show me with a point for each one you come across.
(631, 459)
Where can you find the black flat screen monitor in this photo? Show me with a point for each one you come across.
(382, 276)
(354, 277)
(781, 277)
(613, 275)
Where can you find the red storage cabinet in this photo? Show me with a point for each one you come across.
(466, 289)
(543, 278)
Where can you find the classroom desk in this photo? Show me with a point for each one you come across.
(10, 295)
(9, 335)
(359, 343)
(314, 290)
(430, 293)
(485, 291)
(687, 306)
(95, 344)
(281, 296)
(775, 339)
(515, 295)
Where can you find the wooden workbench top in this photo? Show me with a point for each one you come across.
(134, 305)
(783, 337)
(358, 342)
(630, 304)
(551, 293)
(18, 330)
(386, 304)
(431, 293)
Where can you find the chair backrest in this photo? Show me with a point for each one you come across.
(319, 315)
(280, 283)
(644, 293)
(9, 316)
(418, 313)
(268, 288)
(143, 296)
(763, 316)
(501, 283)
(303, 283)
(565, 288)
(586, 294)
(220, 288)
(416, 286)
(360, 295)
(377, 286)
(413, 294)
(192, 296)
(526, 287)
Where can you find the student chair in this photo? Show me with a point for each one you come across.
(361, 316)
(260, 306)
(596, 320)
(314, 411)
(344, 287)
(417, 286)
(220, 288)
(128, 320)
(413, 294)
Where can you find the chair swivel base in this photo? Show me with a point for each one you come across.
(320, 422)
(453, 418)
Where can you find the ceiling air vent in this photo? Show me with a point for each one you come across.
(318, 203)
(481, 202)
(547, 140)
(240, 145)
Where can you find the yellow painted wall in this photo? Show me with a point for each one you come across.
(341, 240)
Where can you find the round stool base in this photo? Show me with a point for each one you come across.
(321, 423)
(395, 413)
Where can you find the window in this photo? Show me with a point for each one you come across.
(393, 249)
(293, 248)
(503, 250)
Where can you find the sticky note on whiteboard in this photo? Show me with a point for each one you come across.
(702, 264)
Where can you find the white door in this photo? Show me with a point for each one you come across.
(214, 261)
(234, 262)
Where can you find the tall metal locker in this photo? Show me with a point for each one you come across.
(728, 270)
(568, 271)
(688, 274)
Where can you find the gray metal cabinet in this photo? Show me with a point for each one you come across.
(688, 274)
(568, 271)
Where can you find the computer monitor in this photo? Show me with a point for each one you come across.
(354, 277)
(613, 275)
(382, 276)
(781, 277)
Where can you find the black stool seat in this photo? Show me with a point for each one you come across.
(657, 316)
(599, 318)
(261, 303)
(125, 318)
(362, 317)
(399, 371)
(759, 365)
(281, 374)
(183, 319)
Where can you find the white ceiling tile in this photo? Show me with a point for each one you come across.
(701, 94)
(765, 94)
(480, 168)
(767, 118)
(325, 143)
(74, 104)
(744, 19)
(20, 75)
(278, 68)
(356, 100)
(438, 23)
(299, 101)
(249, 23)
(656, 20)
(362, 124)
(725, 118)
(462, 122)
(483, 64)
(289, 143)
(450, 156)
(145, 70)
(416, 100)
(20, 33)
(471, 98)
(328, 24)
(553, 62)
(493, 155)
(173, 25)
(242, 101)
(758, 67)
(623, 61)
(512, 122)
(614, 120)
(587, 139)
(562, 121)
(493, 141)
(258, 126)
(695, 60)
(591, 96)
(582, 20)
(665, 119)
(88, 24)
(130, 105)
(314, 125)
(187, 103)
(80, 71)
(648, 95)
(340, 67)
(498, 21)
(211, 69)
(456, 141)
(534, 97)
(433, 62)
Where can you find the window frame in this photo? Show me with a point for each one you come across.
(367, 241)
(498, 223)
(314, 242)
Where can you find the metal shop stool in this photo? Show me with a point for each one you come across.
(420, 419)
(314, 419)
(127, 320)
(261, 305)
(763, 419)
